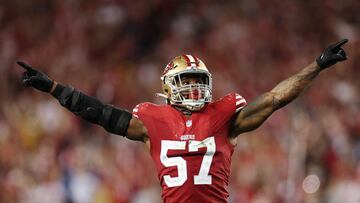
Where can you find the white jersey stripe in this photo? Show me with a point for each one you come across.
(135, 111)
(242, 106)
(241, 102)
(238, 97)
(238, 109)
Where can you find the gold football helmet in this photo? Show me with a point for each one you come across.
(187, 83)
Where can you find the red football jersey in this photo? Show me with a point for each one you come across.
(192, 155)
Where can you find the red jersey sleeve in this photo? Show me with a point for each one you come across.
(144, 111)
(153, 117)
(230, 104)
(222, 110)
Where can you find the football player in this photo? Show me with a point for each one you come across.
(191, 138)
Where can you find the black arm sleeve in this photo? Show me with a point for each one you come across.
(114, 120)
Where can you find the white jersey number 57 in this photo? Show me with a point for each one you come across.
(203, 177)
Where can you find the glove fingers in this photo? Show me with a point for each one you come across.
(25, 66)
(25, 75)
(339, 44)
(25, 83)
(332, 54)
(30, 81)
(25, 79)
(340, 57)
(342, 52)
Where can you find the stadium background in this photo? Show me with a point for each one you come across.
(116, 51)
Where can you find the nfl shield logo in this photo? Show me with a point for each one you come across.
(188, 123)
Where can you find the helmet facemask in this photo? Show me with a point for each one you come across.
(187, 83)
(190, 89)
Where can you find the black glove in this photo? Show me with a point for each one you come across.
(35, 78)
(332, 54)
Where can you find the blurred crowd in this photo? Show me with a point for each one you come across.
(116, 50)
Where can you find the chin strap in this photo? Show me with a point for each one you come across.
(161, 95)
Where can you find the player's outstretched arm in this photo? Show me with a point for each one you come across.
(114, 120)
(255, 113)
